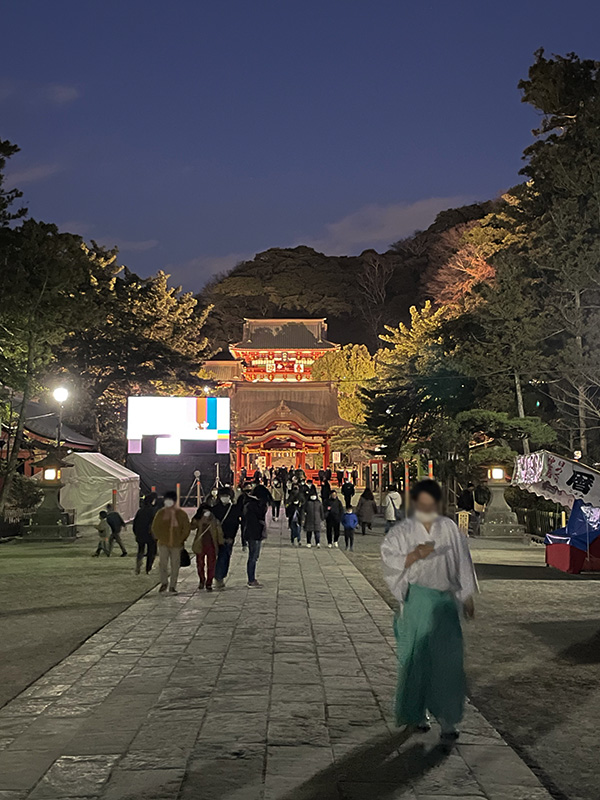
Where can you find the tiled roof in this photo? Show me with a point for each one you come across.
(284, 335)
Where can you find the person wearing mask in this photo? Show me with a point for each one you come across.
(104, 532)
(264, 495)
(427, 566)
(349, 524)
(366, 510)
(213, 497)
(334, 511)
(325, 492)
(348, 492)
(255, 529)
(277, 498)
(313, 517)
(207, 541)
(321, 476)
(293, 513)
(340, 477)
(227, 512)
(392, 507)
(142, 530)
(328, 474)
(117, 524)
(170, 528)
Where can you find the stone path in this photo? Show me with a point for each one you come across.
(282, 693)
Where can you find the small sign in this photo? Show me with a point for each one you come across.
(336, 457)
(463, 522)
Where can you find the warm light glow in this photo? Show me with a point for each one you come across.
(50, 474)
(60, 394)
(497, 473)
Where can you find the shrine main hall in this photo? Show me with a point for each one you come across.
(280, 416)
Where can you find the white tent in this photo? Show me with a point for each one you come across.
(89, 485)
(557, 478)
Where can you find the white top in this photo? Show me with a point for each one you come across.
(393, 503)
(449, 568)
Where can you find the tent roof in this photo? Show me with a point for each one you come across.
(99, 466)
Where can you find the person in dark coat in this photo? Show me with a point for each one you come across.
(254, 513)
(142, 530)
(328, 474)
(117, 524)
(313, 517)
(325, 493)
(228, 514)
(293, 513)
(334, 511)
(366, 510)
(348, 492)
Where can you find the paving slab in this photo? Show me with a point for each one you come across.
(279, 693)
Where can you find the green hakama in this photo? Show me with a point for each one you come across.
(431, 674)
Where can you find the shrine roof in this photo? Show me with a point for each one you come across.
(313, 404)
(284, 334)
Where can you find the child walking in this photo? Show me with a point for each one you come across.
(349, 524)
(104, 532)
(208, 539)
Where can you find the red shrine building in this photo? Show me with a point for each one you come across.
(280, 417)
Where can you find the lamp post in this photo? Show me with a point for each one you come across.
(61, 395)
(499, 521)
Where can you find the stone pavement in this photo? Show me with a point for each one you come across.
(282, 693)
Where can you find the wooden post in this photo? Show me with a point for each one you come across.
(406, 485)
(178, 493)
(114, 499)
(197, 492)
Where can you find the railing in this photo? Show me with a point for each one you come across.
(537, 522)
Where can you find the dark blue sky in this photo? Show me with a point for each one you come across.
(194, 133)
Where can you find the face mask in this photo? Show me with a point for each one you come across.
(169, 503)
(426, 517)
(213, 492)
(206, 514)
(226, 499)
(313, 497)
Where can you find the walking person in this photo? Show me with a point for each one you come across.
(428, 567)
(348, 492)
(277, 498)
(349, 524)
(104, 532)
(142, 530)
(208, 539)
(325, 492)
(392, 507)
(293, 513)
(313, 517)
(117, 524)
(227, 512)
(170, 528)
(334, 511)
(366, 510)
(255, 510)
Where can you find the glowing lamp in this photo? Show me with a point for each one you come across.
(51, 474)
(496, 473)
(61, 394)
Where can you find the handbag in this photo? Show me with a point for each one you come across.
(185, 559)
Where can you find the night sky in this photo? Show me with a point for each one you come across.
(194, 133)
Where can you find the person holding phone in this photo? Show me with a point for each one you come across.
(428, 567)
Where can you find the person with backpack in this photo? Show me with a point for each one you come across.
(366, 510)
(276, 498)
(334, 511)
(392, 507)
(349, 524)
(142, 530)
(313, 517)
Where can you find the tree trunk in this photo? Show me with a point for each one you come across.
(581, 397)
(521, 409)
(13, 458)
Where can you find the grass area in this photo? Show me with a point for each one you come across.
(533, 657)
(53, 596)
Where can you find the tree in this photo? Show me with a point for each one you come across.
(350, 368)
(8, 196)
(372, 281)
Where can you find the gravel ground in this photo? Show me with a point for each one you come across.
(52, 598)
(533, 655)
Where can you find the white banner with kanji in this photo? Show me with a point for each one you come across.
(556, 478)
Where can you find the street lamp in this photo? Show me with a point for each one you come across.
(61, 395)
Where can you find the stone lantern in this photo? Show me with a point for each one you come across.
(50, 521)
(499, 521)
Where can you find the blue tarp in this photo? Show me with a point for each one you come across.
(581, 530)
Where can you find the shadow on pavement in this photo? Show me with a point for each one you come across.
(376, 771)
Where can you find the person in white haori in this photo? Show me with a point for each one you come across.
(428, 567)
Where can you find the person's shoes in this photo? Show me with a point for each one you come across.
(95, 555)
(299, 543)
(329, 546)
(148, 571)
(336, 544)
(201, 585)
(318, 544)
(255, 585)
(424, 726)
(163, 587)
(220, 584)
(351, 549)
(173, 591)
(123, 555)
(244, 547)
(309, 545)
(448, 739)
(209, 588)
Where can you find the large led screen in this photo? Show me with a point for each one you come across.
(175, 425)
